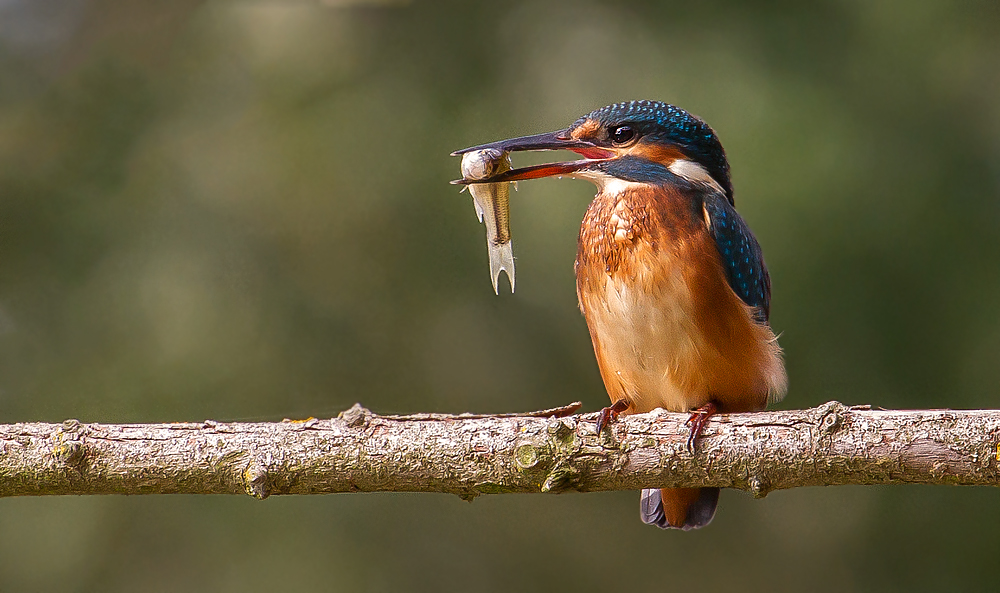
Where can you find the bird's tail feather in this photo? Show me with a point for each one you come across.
(678, 508)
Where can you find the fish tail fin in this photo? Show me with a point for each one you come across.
(502, 258)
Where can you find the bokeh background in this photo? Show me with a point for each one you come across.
(240, 210)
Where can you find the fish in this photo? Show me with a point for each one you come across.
(492, 202)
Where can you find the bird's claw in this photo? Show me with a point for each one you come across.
(610, 414)
(697, 421)
(603, 418)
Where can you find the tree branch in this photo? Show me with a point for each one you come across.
(469, 455)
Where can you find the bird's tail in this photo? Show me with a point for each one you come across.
(678, 508)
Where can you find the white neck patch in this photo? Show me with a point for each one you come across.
(694, 173)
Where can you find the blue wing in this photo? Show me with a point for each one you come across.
(741, 256)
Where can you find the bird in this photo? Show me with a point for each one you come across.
(670, 279)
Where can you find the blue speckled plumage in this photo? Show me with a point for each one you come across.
(671, 125)
(741, 255)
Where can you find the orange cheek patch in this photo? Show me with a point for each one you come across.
(586, 130)
(665, 155)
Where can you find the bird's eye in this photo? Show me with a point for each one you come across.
(622, 134)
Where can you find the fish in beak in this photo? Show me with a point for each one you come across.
(559, 140)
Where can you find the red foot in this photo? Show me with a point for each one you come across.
(697, 421)
(610, 414)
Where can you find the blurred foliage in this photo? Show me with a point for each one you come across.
(240, 210)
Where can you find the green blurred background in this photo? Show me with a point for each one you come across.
(240, 210)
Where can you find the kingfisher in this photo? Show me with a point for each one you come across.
(669, 277)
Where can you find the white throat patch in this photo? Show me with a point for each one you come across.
(607, 184)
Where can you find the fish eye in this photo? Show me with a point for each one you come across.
(622, 134)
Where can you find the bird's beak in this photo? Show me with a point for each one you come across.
(559, 140)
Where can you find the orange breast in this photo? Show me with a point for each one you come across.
(667, 329)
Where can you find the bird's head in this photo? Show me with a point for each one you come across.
(638, 141)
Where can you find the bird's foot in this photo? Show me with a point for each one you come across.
(697, 421)
(610, 414)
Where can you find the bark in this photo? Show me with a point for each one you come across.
(469, 455)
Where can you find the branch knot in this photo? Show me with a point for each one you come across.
(255, 480)
(831, 417)
(68, 448)
(357, 416)
(760, 486)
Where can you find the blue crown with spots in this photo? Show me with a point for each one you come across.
(671, 125)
